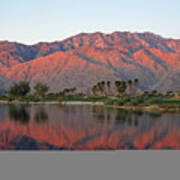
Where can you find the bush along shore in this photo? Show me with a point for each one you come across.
(123, 94)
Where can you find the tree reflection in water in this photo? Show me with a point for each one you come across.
(109, 112)
(99, 113)
(121, 116)
(127, 117)
(19, 113)
(136, 122)
(155, 115)
(41, 116)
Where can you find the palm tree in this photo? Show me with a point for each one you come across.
(66, 91)
(109, 86)
(130, 86)
(136, 84)
(72, 90)
(122, 88)
(94, 90)
(103, 87)
(117, 84)
(98, 87)
(154, 92)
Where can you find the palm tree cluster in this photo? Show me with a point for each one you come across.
(104, 88)
(100, 88)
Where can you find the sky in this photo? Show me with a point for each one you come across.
(32, 21)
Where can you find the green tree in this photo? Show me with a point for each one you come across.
(19, 89)
(41, 89)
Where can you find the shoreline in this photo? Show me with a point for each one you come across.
(54, 102)
(149, 108)
(145, 108)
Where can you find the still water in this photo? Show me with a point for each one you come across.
(56, 127)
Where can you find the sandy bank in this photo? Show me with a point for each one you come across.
(82, 103)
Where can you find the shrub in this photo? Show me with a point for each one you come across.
(108, 102)
(33, 98)
(115, 103)
(10, 99)
(22, 98)
(29, 98)
(120, 102)
(136, 100)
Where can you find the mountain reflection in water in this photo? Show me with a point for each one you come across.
(55, 127)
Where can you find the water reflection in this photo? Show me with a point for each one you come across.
(121, 116)
(86, 128)
(155, 115)
(128, 117)
(41, 116)
(98, 113)
(19, 113)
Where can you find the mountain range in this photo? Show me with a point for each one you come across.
(83, 60)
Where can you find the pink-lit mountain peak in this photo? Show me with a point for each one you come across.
(86, 58)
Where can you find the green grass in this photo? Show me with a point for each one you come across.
(136, 101)
(142, 100)
(120, 101)
(81, 98)
(29, 98)
(166, 102)
(4, 98)
(48, 99)
(109, 102)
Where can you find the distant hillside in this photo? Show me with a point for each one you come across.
(84, 59)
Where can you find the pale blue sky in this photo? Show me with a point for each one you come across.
(31, 21)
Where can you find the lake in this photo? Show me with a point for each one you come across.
(73, 127)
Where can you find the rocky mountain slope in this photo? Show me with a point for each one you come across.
(84, 59)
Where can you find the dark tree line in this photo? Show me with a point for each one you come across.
(22, 88)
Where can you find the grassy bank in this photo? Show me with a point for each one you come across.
(163, 103)
(142, 100)
(85, 98)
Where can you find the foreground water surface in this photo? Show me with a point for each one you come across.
(56, 127)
